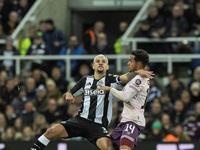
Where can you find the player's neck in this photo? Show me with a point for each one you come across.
(98, 76)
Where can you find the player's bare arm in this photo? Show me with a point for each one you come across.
(130, 75)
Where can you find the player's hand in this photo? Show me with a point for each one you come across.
(105, 88)
(69, 97)
(145, 73)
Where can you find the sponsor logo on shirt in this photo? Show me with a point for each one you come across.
(92, 92)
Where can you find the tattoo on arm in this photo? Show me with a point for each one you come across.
(131, 75)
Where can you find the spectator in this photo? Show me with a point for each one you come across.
(156, 22)
(9, 27)
(185, 98)
(41, 100)
(166, 124)
(83, 71)
(72, 110)
(162, 8)
(61, 83)
(103, 47)
(9, 64)
(42, 26)
(9, 134)
(144, 31)
(176, 25)
(171, 77)
(175, 90)
(18, 125)
(122, 28)
(2, 124)
(195, 92)
(179, 133)
(10, 115)
(156, 133)
(10, 92)
(28, 114)
(178, 115)
(30, 88)
(52, 114)
(39, 125)
(27, 134)
(39, 48)
(196, 77)
(22, 9)
(54, 38)
(26, 42)
(39, 77)
(154, 92)
(192, 127)
(52, 90)
(166, 104)
(18, 103)
(90, 36)
(156, 111)
(74, 49)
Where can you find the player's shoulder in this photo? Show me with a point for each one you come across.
(137, 80)
(86, 77)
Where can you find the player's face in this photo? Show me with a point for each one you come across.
(132, 64)
(100, 65)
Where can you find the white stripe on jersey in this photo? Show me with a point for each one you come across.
(99, 108)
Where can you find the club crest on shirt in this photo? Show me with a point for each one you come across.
(100, 82)
(138, 82)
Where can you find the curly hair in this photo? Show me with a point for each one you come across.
(141, 56)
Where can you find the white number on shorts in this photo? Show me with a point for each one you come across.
(131, 127)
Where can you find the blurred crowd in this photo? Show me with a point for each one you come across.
(33, 101)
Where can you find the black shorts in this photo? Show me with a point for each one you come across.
(79, 126)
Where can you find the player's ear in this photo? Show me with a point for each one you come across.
(92, 65)
(139, 65)
(108, 67)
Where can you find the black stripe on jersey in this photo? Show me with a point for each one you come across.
(93, 103)
(81, 107)
(106, 101)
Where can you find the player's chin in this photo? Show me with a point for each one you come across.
(100, 71)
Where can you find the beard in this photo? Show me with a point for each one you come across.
(100, 71)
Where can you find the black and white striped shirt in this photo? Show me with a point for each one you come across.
(96, 104)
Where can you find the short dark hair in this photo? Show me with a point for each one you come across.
(49, 21)
(141, 56)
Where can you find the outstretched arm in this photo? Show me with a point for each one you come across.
(130, 75)
(121, 95)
